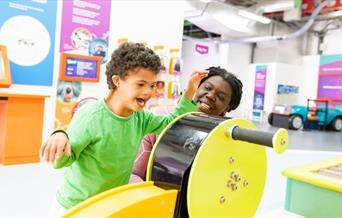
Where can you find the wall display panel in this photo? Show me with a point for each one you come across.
(330, 87)
(330, 77)
(5, 74)
(80, 68)
(27, 28)
(83, 29)
(259, 87)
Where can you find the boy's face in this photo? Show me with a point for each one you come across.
(136, 89)
(213, 96)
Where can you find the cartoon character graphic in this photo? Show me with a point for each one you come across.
(81, 38)
(68, 91)
(160, 89)
(99, 47)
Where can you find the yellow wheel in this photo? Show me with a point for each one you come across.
(227, 177)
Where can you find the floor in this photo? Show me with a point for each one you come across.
(27, 190)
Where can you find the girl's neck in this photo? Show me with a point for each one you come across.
(114, 103)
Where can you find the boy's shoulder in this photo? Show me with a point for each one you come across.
(89, 107)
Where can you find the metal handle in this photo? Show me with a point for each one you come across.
(278, 140)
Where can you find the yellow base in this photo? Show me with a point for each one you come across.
(134, 200)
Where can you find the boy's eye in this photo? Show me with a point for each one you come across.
(141, 84)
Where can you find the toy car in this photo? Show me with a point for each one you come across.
(318, 114)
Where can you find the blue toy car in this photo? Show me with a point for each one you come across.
(318, 114)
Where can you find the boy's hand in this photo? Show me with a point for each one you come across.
(54, 147)
(194, 82)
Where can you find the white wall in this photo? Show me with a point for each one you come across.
(331, 40)
(309, 80)
(237, 62)
(286, 51)
(194, 61)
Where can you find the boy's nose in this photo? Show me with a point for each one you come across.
(148, 91)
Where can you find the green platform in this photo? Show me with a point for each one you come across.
(311, 194)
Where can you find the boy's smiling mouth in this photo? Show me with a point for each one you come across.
(141, 102)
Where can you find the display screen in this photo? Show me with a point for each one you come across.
(76, 67)
(80, 67)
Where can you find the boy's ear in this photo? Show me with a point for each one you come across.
(116, 80)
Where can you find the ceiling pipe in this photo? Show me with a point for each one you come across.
(297, 33)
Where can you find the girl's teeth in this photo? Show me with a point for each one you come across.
(205, 106)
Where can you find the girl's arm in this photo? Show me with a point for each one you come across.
(155, 124)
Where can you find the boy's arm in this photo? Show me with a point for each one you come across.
(79, 135)
(156, 123)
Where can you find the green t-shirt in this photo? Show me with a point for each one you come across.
(104, 147)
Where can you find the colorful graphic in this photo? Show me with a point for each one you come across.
(173, 90)
(175, 62)
(259, 87)
(82, 23)
(201, 49)
(287, 89)
(80, 38)
(68, 91)
(330, 87)
(67, 95)
(160, 89)
(330, 77)
(99, 47)
(31, 53)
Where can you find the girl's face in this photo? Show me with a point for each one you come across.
(213, 96)
(136, 89)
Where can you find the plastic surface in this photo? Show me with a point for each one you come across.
(228, 176)
(135, 200)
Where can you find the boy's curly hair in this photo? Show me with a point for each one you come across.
(129, 57)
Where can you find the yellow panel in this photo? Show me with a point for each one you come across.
(211, 183)
(133, 200)
(307, 173)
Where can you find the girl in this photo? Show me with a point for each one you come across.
(218, 93)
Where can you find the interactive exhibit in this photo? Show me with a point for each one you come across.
(315, 190)
(318, 114)
(201, 166)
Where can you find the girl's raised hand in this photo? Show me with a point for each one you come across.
(194, 82)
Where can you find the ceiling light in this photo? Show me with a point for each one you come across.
(254, 17)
